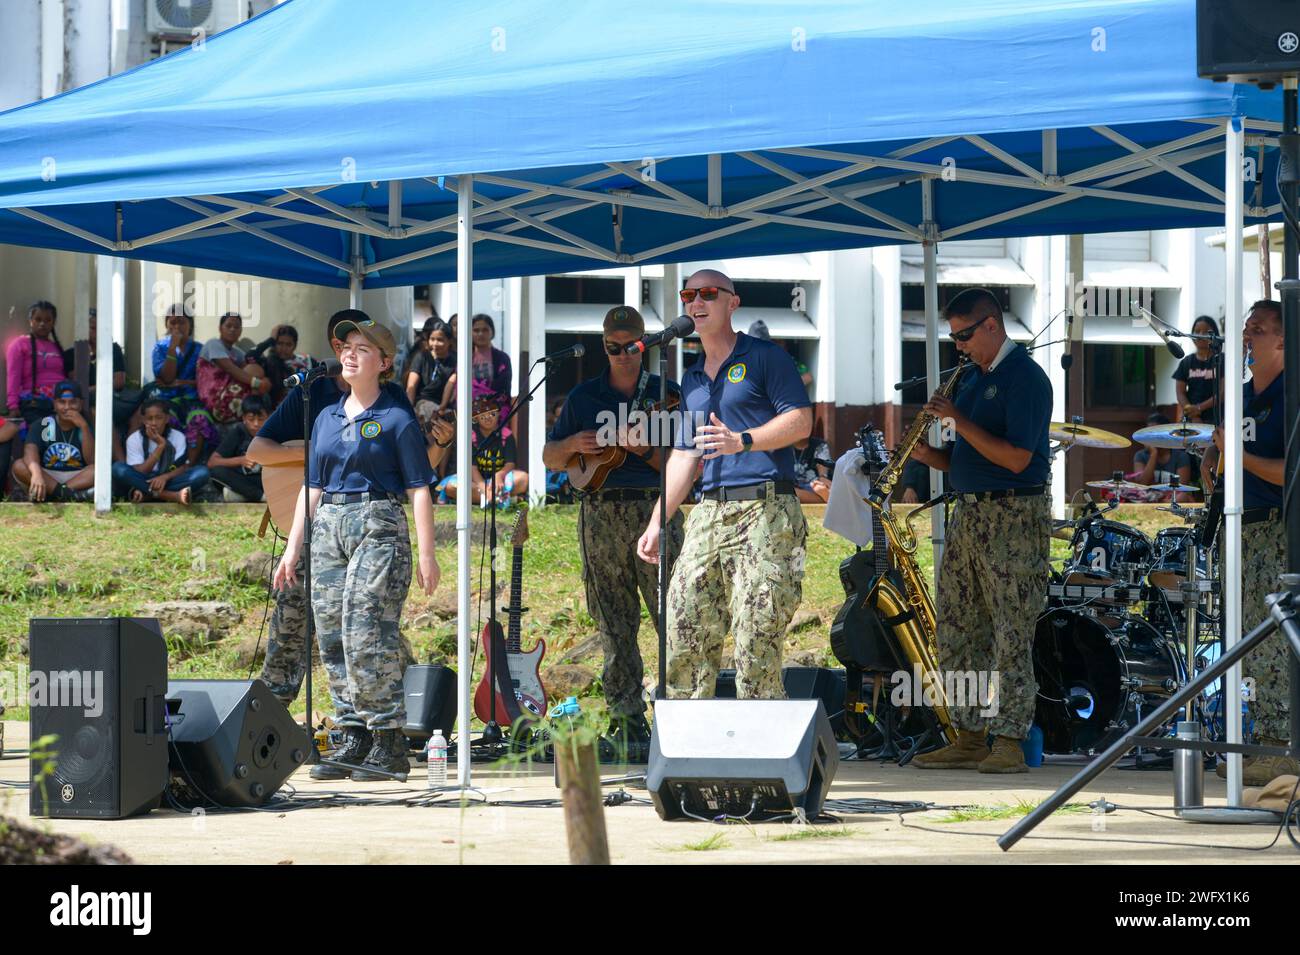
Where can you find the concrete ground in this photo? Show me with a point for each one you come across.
(522, 834)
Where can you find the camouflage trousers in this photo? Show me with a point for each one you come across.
(286, 643)
(1263, 552)
(361, 572)
(616, 580)
(991, 588)
(740, 570)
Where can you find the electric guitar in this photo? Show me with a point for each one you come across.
(520, 672)
(587, 472)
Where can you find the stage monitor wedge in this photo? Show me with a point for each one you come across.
(233, 743)
(1248, 41)
(97, 685)
(740, 758)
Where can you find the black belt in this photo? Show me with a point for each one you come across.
(972, 496)
(358, 497)
(622, 494)
(1258, 515)
(750, 492)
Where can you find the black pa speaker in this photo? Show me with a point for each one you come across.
(233, 742)
(97, 685)
(430, 691)
(800, 683)
(1247, 41)
(740, 758)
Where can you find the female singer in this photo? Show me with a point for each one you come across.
(368, 454)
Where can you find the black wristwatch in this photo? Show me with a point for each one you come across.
(747, 440)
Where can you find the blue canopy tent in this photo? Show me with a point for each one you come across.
(433, 142)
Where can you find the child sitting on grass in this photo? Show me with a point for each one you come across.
(155, 468)
(230, 466)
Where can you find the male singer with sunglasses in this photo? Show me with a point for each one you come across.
(995, 565)
(610, 519)
(741, 565)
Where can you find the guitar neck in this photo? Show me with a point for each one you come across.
(513, 611)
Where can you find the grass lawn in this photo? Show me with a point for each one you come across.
(62, 561)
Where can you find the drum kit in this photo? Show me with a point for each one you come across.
(1128, 617)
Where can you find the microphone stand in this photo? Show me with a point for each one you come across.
(665, 446)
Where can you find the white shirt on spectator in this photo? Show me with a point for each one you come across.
(215, 348)
(137, 453)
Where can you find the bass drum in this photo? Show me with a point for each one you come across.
(1097, 676)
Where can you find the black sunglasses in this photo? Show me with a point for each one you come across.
(614, 348)
(967, 333)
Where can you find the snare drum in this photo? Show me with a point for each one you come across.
(1107, 552)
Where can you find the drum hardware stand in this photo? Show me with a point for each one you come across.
(1282, 617)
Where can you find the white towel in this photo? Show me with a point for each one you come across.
(847, 512)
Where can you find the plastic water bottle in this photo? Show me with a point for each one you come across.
(436, 755)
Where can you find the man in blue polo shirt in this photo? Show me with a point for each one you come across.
(995, 566)
(610, 519)
(741, 565)
(1263, 535)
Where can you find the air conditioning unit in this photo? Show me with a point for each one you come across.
(182, 18)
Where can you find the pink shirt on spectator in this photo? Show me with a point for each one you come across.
(18, 361)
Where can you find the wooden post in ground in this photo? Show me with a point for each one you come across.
(584, 814)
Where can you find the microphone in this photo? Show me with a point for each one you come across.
(1174, 348)
(1066, 358)
(573, 351)
(681, 326)
(331, 367)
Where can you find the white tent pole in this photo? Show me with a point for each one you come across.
(148, 319)
(464, 379)
(111, 305)
(1232, 349)
(358, 273)
(931, 266)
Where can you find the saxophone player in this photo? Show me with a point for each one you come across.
(995, 566)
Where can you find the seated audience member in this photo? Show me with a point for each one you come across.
(430, 371)
(156, 467)
(8, 438)
(813, 466)
(491, 366)
(239, 475)
(58, 462)
(225, 375)
(126, 400)
(34, 365)
(1152, 465)
(286, 349)
(496, 456)
(176, 370)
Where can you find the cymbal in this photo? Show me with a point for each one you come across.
(1116, 486)
(1084, 437)
(1182, 434)
(1173, 488)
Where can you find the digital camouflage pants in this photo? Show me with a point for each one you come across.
(1263, 552)
(361, 572)
(740, 571)
(991, 588)
(616, 580)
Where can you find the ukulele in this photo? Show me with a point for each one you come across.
(588, 472)
(520, 671)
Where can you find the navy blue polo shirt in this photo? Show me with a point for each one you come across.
(1267, 409)
(285, 423)
(382, 449)
(595, 403)
(1012, 402)
(757, 382)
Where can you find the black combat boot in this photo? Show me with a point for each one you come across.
(388, 754)
(628, 740)
(357, 742)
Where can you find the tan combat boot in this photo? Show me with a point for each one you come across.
(1262, 770)
(1007, 757)
(966, 753)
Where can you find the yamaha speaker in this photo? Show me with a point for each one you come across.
(1247, 41)
(430, 692)
(233, 742)
(740, 758)
(97, 686)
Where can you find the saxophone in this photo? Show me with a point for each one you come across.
(919, 643)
